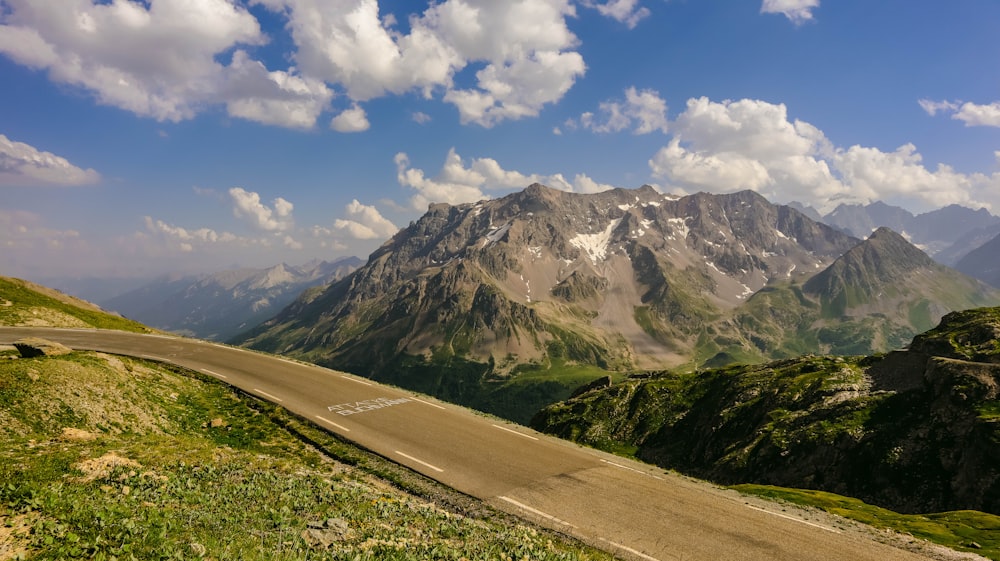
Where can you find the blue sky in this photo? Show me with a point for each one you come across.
(194, 135)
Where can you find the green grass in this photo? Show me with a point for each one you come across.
(19, 305)
(247, 489)
(956, 529)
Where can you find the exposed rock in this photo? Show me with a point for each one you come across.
(96, 468)
(216, 423)
(597, 384)
(31, 347)
(322, 535)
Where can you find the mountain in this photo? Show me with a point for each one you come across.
(934, 232)
(915, 430)
(220, 305)
(983, 263)
(508, 304)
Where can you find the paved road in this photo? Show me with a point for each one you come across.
(631, 509)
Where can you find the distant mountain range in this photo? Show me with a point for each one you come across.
(946, 234)
(218, 306)
(492, 304)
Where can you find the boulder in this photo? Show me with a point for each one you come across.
(31, 347)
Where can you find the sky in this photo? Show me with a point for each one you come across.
(145, 137)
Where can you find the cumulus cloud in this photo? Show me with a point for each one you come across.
(280, 98)
(164, 59)
(23, 164)
(626, 11)
(751, 144)
(523, 49)
(798, 11)
(642, 111)
(25, 231)
(186, 239)
(458, 183)
(247, 205)
(420, 117)
(365, 222)
(353, 119)
(972, 114)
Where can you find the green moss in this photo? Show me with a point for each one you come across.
(956, 529)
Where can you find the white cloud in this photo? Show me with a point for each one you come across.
(523, 46)
(457, 183)
(353, 119)
(185, 239)
(156, 61)
(24, 231)
(642, 111)
(421, 118)
(932, 107)
(626, 11)
(798, 11)
(974, 115)
(279, 98)
(22, 164)
(751, 144)
(246, 204)
(365, 222)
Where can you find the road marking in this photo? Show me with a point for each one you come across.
(427, 403)
(792, 518)
(629, 549)
(209, 372)
(534, 511)
(632, 469)
(421, 462)
(341, 427)
(515, 432)
(355, 380)
(265, 394)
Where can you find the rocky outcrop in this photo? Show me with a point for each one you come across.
(914, 431)
(31, 347)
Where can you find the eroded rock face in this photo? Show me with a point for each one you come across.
(31, 347)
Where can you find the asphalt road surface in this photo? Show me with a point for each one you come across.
(631, 509)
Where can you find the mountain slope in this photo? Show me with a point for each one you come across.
(220, 305)
(983, 263)
(915, 430)
(25, 304)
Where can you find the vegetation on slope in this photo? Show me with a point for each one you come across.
(915, 431)
(112, 458)
(24, 304)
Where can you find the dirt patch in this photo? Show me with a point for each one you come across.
(78, 435)
(96, 468)
(15, 536)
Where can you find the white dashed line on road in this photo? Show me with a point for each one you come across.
(427, 403)
(341, 427)
(521, 434)
(792, 518)
(210, 373)
(632, 469)
(421, 462)
(629, 549)
(535, 511)
(356, 381)
(265, 394)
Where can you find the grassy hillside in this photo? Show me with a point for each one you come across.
(24, 304)
(104, 457)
